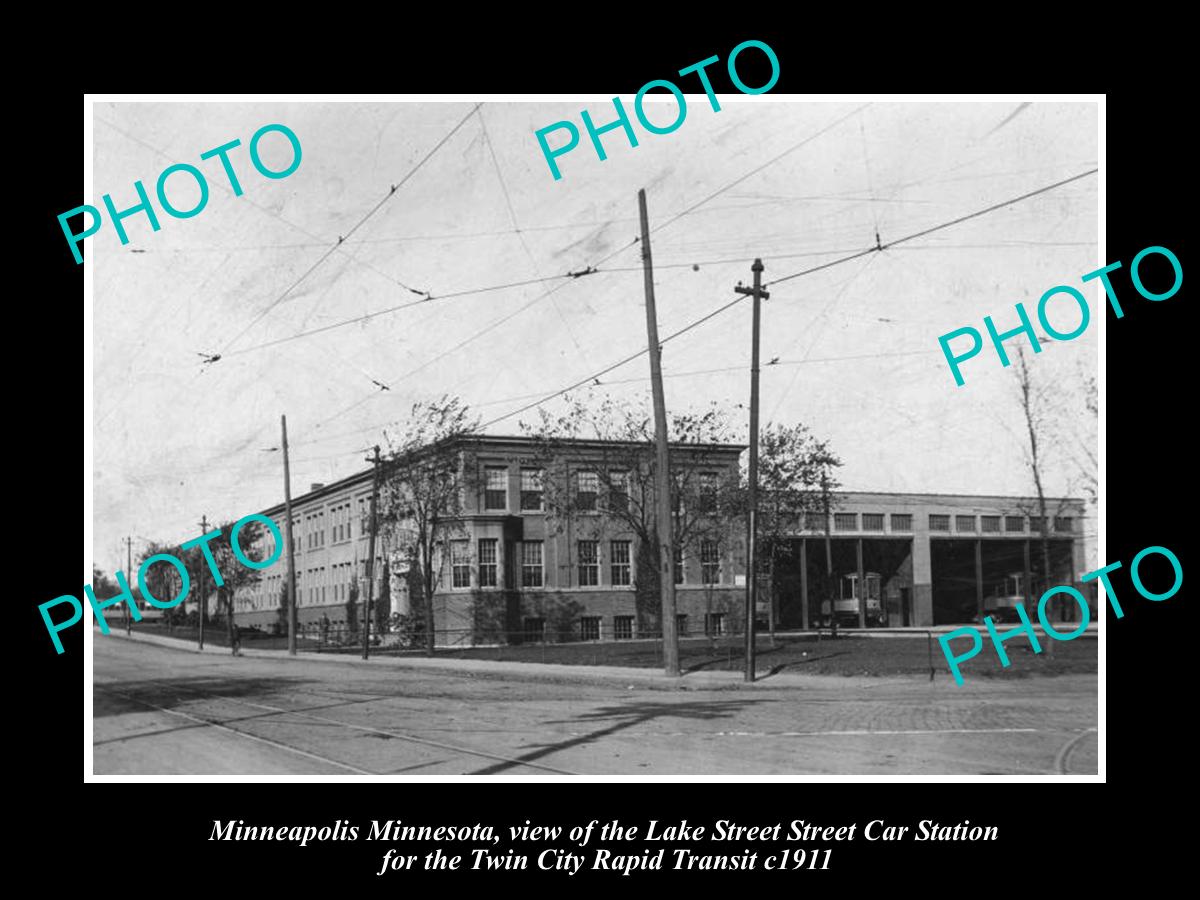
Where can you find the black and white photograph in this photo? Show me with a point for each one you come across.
(533, 438)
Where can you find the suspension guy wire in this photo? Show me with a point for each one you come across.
(844, 259)
(595, 376)
(870, 190)
(475, 291)
(781, 363)
(593, 267)
(925, 231)
(319, 242)
(845, 286)
(341, 238)
(512, 215)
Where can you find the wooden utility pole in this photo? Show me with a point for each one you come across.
(366, 624)
(200, 578)
(759, 295)
(291, 550)
(128, 575)
(662, 487)
(830, 586)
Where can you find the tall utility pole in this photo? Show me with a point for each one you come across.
(128, 570)
(291, 547)
(759, 295)
(200, 578)
(662, 485)
(366, 625)
(830, 587)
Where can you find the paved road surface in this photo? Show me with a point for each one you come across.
(159, 710)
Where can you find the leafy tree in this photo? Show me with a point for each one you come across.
(235, 574)
(422, 487)
(796, 479)
(163, 580)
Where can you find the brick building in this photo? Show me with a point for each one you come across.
(538, 550)
(541, 552)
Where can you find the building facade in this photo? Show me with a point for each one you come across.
(545, 545)
(940, 558)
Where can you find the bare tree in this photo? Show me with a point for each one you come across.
(1040, 434)
(422, 488)
(617, 475)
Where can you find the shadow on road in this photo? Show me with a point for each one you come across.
(168, 692)
(623, 717)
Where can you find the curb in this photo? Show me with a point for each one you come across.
(552, 672)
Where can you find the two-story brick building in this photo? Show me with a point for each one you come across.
(545, 546)
(541, 546)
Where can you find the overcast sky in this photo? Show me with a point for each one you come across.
(859, 363)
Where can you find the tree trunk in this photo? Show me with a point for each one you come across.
(648, 586)
(427, 604)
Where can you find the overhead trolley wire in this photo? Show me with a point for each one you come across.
(740, 297)
(341, 238)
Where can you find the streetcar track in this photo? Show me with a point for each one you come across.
(242, 734)
(1062, 759)
(441, 745)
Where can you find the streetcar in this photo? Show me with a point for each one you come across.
(845, 606)
(1002, 604)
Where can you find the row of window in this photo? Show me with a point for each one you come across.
(531, 558)
(992, 524)
(587, 490)
(941, 523)
(315, 586)
(623, 627)
(310, 529)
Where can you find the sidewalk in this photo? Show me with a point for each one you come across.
(625, 676)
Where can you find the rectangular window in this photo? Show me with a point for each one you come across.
(589, 628)
(1035, 524)
(1014, 523)
(708, 492)
(619, 551)
(534, 629)
(495, 493)
(1064, 524)
(815, 521)
(872, 521)
(989, 524)
(618, 491)
(845, 521)
(460, 564)
(939, 522)
(710, 562)
(678, 564)
(531, 489)
(489, 562)
(589, 563)
(587, 487)
(623, 628)
(714, 624)
(681, 624)
(531, 564)
(964, 523)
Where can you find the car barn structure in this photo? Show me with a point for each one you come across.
(513, 568)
